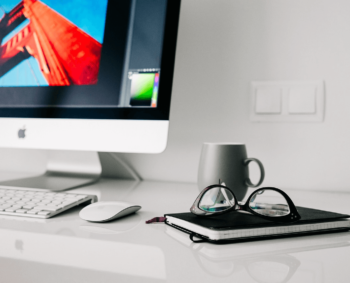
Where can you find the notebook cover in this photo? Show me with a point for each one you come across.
(239, 220)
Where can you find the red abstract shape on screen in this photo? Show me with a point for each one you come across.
(66, 54)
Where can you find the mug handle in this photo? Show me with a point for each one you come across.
(262, 172)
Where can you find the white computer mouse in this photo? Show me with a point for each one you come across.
(104, 211)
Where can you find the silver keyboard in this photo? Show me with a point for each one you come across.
(39, 203)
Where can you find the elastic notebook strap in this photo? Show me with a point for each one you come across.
(197, 236)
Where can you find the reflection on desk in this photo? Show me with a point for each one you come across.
(264, 261)
(126, 224)
(87, 254)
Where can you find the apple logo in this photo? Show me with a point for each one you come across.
(22, 133)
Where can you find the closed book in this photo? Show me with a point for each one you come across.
(238, 226)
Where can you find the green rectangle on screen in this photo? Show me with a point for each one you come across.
(142, 86)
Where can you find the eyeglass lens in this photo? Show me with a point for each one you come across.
(269, 203)
(217, 199)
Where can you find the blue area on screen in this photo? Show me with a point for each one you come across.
(26, 68)
(14, 32)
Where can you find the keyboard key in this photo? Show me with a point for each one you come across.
(37, 197)
(10, 209)
(28, 206)
(48, 208)
(4, 206)
(33, 211)
(65, 204)
(70, 196)
(17, 206)
(21, 210)
(44, 213)
(59, 196)
(16, 198)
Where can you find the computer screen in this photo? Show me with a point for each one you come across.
(64, 65)
(80, 54)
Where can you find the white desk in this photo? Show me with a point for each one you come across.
(68, 249)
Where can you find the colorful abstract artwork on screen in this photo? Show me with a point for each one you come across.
(51, 42)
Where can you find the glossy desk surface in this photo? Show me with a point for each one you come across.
(68, 249)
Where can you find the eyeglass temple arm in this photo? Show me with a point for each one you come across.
(225, 195)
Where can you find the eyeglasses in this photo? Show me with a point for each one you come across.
(269, 203)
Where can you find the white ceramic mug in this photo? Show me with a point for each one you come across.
(229, 163)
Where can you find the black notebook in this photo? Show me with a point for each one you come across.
(237, 226)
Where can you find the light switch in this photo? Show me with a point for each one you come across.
(302, 100)
(268, 100)
(287, 101)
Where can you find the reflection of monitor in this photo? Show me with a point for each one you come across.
(86, 75)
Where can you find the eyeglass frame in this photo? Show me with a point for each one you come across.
(292, 216)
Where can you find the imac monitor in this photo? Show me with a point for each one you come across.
(86, 75)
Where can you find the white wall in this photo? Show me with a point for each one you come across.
(224, 45)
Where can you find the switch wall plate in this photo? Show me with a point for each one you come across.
(287, 101)
(268, 101)
(302, 100)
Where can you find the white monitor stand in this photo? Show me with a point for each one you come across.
(71, 169)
